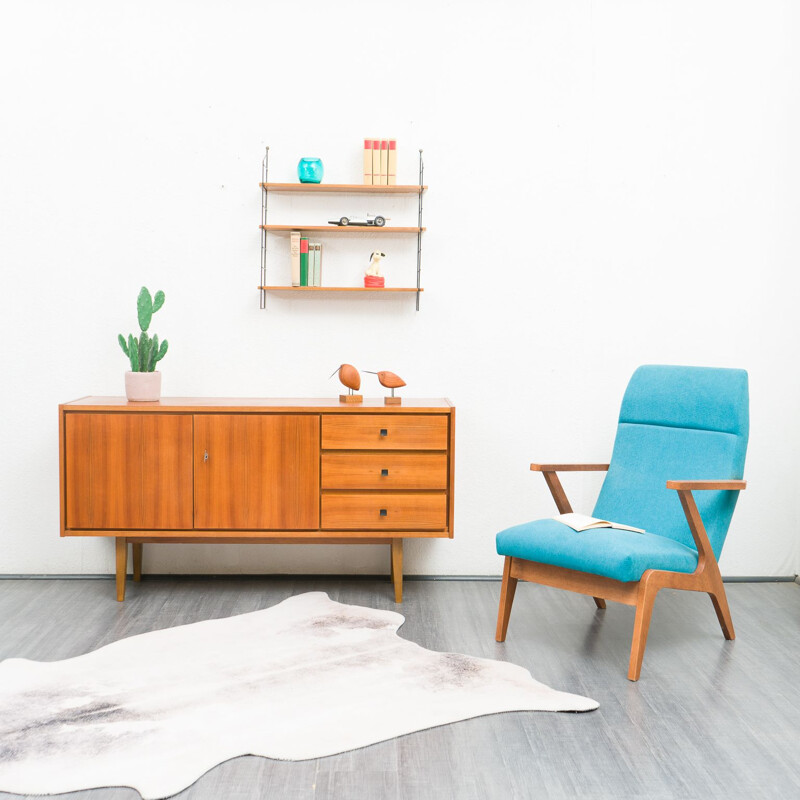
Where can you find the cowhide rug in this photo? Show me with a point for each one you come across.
(306, 678)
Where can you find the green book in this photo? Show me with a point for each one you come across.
(304, 260)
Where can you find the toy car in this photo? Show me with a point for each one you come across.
(371, 219)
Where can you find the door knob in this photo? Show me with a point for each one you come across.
(205, 455)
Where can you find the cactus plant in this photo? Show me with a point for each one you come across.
(143, 351)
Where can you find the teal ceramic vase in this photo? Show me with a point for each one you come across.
(309, 170)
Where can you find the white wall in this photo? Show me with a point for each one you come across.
(611, 183)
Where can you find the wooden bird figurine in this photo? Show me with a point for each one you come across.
(390, 381)
(349, 377)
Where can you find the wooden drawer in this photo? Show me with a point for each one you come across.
(377, 511)
(386, 471)
(384, 432)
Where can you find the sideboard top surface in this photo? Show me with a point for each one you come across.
(411, 405)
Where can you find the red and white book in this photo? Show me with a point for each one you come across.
(368, 162)
(376, 161)
(391, 173)
(384, 162)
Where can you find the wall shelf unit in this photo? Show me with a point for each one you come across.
(336, 188)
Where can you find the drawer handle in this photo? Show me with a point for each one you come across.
(384, 472)
(384, 432)
(205, 455)
(384, 513)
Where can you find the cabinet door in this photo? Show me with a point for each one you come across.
(256, 471)
(128, 471)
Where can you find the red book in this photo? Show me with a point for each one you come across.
(304, 260)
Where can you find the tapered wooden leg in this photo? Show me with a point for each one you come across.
(720, 601)
(599, 602)
(507, 591)
(122, 566)
(641, 625)
(137, 560)
(397, 569)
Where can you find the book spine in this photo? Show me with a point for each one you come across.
(384, 161)
(319, 266)
(391, 174)
(376, 161)
(294, 256)
(368, 162)
(317, 247)
(303, 261)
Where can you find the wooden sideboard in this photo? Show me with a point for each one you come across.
(313, 471)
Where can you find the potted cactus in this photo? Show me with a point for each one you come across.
(143, 381)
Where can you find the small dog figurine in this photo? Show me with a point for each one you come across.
(373, 278)
(374, 267)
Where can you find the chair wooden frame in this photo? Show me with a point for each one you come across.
(641, 593)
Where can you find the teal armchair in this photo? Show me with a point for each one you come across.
(681, 430)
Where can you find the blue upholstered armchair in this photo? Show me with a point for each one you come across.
(681, 430)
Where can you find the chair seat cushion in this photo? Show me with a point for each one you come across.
(612, 552)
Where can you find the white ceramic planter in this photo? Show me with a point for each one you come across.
(143, 386)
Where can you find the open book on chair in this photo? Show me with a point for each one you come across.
(580, 522)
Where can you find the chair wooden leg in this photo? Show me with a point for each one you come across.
(720, 601)
(136, 547)
(507, 591)
(641, 625)
(122, 566)
(599, 602)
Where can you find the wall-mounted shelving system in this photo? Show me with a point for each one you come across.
(350, 230)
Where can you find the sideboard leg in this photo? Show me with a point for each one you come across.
(122, 566)
(397, 569)
(137, 560)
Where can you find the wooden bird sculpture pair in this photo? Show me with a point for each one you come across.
(350, 377)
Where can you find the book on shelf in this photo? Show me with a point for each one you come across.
(315, 264)
(367, 162)
(384, 162)
(582, 522)
(391, 172)
(380, 162)
(376, 161)
(294, 255)
(304, 261)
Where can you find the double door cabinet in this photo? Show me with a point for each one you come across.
(225, 470)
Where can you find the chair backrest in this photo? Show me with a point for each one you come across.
(677, 423)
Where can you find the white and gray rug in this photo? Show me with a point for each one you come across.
(306, 678)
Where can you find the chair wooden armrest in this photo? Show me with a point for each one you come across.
(569, 467)
(684, 488)
(554, 484)
(715, 485)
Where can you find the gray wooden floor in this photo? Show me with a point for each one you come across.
(708, 719)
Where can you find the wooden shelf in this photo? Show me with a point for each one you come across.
(337, 229)
(344, 188)
(338, 289)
